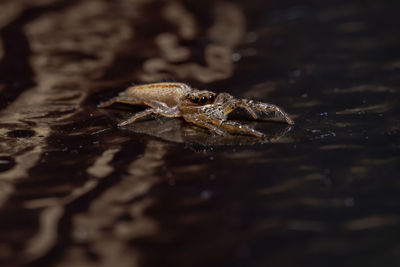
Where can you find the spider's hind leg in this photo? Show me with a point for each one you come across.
(138, 115)
(127, 100)
(108, 102)
(166, 112)
(134, 101)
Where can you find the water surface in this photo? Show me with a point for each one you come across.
(77, 191)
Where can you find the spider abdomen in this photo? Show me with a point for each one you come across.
(168, 93)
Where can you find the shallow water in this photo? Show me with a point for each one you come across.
(76, 191)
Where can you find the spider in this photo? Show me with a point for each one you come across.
(200, 107)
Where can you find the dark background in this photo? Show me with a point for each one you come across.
(76, 191)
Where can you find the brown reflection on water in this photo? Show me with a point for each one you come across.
(118, 216)
(226, 33)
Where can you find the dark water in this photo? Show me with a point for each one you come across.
(324, 192)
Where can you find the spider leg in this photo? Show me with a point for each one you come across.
(138, 115)
(235, 127)
(157, 107)
(216, 122)
(205, 123)
(167, 112)
(117, 99)
(272, 112)
(229, 104)
(248, 109)
(133, 101)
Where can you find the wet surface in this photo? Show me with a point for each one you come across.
(77, 191)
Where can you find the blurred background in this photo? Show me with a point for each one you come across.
(77, 191)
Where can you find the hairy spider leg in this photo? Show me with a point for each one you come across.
(221, 126)
(171, 112)
(133, 101)
(272, 111)
(202, 121)
(247, 108)
(235, 127)
(157, 107)
(216, 122)
(229, 104)
(138, 115)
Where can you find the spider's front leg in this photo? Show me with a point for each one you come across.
(204, 122)
(235, 127)
(270, 111)
(229, 104)
(221, 127)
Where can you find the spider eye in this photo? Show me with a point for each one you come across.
(195, 100)
(203, 100)
(211, 98)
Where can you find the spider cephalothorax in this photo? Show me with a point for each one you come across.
(202, 108)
